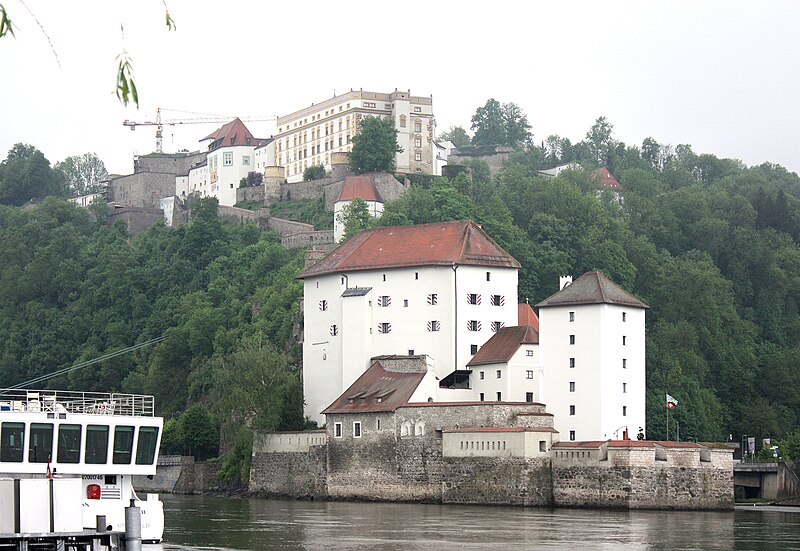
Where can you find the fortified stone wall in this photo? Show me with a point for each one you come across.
(250, 194)
(498, 481)
(172, 163)
(300, 475)
(307, 239)
(142, 189)
(494, 156)
(236, 215)
(136, 219)
(311, 189)
(287, 227)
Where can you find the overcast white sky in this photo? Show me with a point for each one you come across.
(722, 76)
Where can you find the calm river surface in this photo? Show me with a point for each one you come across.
(214, 523)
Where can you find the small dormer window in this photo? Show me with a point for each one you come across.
(233, 141)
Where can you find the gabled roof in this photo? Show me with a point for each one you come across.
(592, 288)
(359, 186)
(602, 177)
(379, 388)
(503, 344)
(526, 316)
(461, 242)
(230, 134)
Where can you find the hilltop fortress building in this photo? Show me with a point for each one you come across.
(309, 136)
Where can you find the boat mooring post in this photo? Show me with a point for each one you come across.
(133, 527)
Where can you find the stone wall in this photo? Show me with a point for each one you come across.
(171, 163)
(250, 194)
(236, 215)
(287, 227)
(494, 156)
(136, 219)
(142, 189)
(300, 475)
(307, 239)
(498, 481)
(311, 189)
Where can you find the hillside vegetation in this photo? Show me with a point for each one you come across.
(708, 243)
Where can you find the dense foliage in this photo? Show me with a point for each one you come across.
(73, 289)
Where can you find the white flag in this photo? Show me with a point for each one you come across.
(671, 402)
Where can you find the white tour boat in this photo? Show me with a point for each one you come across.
(67, 457)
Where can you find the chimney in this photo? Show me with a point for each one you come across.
(563, 281)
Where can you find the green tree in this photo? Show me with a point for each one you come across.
(198, 432)
(496, 124)
(457, 135)
(314, 172)
(355, 217)
(374, 146)
(26, 175)
(598, 138)
(83, 174)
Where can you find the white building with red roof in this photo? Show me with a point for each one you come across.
(436, 289)
(232, 151)
(356, 187)
(592, 345)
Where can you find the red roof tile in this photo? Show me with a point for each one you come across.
(592, 288)
(378, 389)
(526, 316)
(359, 186)
(503, 344)
(485, 403)
(461, 242)
(232, 133)
(602, 177)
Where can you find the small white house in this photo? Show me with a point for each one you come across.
(353, 187)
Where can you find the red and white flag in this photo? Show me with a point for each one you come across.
(671, 402)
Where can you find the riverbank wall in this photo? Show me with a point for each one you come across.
(437, 468)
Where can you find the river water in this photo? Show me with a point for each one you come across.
(215, 523)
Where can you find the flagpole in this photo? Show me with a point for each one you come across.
(666, 404)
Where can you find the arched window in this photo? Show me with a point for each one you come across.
(405, 429)
(402, 121)
(419, 428)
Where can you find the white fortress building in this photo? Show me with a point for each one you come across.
(448, 292)
(308, 137)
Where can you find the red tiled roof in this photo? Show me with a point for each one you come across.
(378, 389)
(232, 133)
(457, 404)
(630, 444)
(592, 288)
(359, 186)
(461, 242)
(586, 444)
(503, 344)
(526, 316)
(602, 177)
(504, 429)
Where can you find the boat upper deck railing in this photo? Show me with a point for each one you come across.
(70, 401)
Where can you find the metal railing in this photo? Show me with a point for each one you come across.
(69, 401)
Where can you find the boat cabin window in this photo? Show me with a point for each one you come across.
(123, 445)
(96, 444)
(69, 443)
(146, 445)
(40, 446)
(12, 436)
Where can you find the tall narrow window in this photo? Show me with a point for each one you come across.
(481, 396)
(572, 386)
(572, 435)
(572, 410)
(69, 443)
(529, 397)
(337, 430)
(624, 340)
(96, 444)
(473, 349)
(496, 326)
(433, 299)
(499, 374)
(572, 339)
(356, 429)
(384, 327)
(488, 276)
(572, 316)
(499, 396)
(482, 375)
(624, 363)
(40, 447)
(624, 411)
(323, 305)
(384, 301)
(146, 445)
(123, 445)
(12, 438)
(334, 330)
(434, 325)
(473, 325)
(572, 362)
(624, 388)
(529, 374)
(624, 315)
(473, 298)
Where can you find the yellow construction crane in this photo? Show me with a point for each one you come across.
(201, 118)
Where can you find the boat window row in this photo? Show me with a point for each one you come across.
(69, 439)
